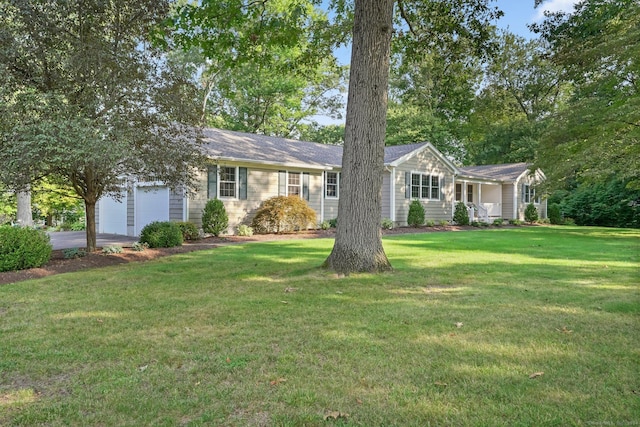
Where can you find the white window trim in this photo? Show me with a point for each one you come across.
(530, 194)
(326, 185)
(236, 182)
(429, 175)
(300, 194)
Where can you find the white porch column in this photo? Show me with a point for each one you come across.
(392, 194)
(324, 192)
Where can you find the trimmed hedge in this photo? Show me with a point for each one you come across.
(23, 247)
(161, 234)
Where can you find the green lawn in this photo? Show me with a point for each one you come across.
(258, 335)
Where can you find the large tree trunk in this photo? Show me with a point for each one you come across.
(358, 244)
(90, 212)
(24, 214)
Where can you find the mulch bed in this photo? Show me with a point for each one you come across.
(58, 264)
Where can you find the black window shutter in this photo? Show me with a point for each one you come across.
(407, 185)
(305, 185)
(212, 182)
(282, 183)
(243, 183)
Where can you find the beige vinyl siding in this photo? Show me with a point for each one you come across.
(531, 180)
(262, 183)
(507, 201)
(330, 209)
(176, 206)
(428, 163)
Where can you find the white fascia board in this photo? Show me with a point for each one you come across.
(477, 180)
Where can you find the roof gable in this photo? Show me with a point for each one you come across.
(397, 154)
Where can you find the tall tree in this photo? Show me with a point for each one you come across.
(358, 243)
(89, 100)
(437, 69)
(597, 135)
(521, 87)
(274, 74)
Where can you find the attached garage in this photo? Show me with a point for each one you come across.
(113, 215)
(151, 204)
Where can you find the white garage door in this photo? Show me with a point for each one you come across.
(112, 215)
(152, 204)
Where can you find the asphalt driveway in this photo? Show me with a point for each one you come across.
(78, 239)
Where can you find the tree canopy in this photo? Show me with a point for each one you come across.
(597, 134)
(87, 99)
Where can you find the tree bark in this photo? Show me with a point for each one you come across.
(90, 212)
(24, 214)
(358, 244)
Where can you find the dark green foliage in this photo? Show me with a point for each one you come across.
(610, 204)
(72, 253)
(498, 222)
(531, 213)
(22, 248)
(461, 215)
(333, 223)
(214, 218)
(415, 218)
(161, 234)
(283, 214)
(555, 214)
(189, 230)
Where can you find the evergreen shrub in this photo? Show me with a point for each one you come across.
(415, 218)
(461, 215)
(161, 234)
(23, 247)
(555, 215)
(531, 213)
(214, 218)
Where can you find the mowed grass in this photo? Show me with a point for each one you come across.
(259, 335)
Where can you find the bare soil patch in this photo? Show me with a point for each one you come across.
(58, 264)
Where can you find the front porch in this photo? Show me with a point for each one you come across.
(483, 200)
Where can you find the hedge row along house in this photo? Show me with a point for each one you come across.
(246, 169)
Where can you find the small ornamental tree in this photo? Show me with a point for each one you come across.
(214, 218)
(461, 215)
(416, 214)
(531, 213)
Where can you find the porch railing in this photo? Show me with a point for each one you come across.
(483, 213)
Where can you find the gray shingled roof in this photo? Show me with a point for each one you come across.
(247, 147)
(394, 152)
(230, 145)
(505, 172)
